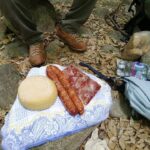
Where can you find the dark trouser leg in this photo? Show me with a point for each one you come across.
(78, 14)
(17, 13)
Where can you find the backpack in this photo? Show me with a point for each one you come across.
(138, 95)
(141, 18)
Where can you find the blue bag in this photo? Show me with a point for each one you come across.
(138, 93)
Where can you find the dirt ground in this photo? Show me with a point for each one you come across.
(104, 47)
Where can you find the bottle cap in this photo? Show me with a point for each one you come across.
(139, 66)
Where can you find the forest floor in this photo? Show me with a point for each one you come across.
(104, 47)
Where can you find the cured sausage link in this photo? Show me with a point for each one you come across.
(69, 105)
(70, 90)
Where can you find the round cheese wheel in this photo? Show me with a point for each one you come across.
(37, 93)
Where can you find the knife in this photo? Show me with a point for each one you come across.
(116, 83)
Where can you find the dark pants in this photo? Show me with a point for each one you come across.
(17, 13)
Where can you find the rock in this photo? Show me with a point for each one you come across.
(138, 45)
(9, 78)
(116, 35)
(120, 107)
(16, 49)
(67, 143)
(101, 11)
(53, 50)
(109, 48)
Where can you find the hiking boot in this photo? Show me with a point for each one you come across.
(71, 40)
(37, 54)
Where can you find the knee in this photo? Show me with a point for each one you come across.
(2, 5)
(7, 5)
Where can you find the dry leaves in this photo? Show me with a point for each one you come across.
(2, 115)
(125, 134)
(120, 134)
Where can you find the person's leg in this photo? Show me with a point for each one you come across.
(17, 13)
(78, 14)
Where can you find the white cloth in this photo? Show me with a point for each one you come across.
(24, 128)
(94, 143)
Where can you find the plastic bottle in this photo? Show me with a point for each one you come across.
(133, 70)
(148, 73)
(121, 68)
(140, 71)
(127, 70)
(144, 73)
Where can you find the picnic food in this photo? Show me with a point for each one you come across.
(69, 105)
(37, 93)
(74, 87)
(70, 90)
(85, 87)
